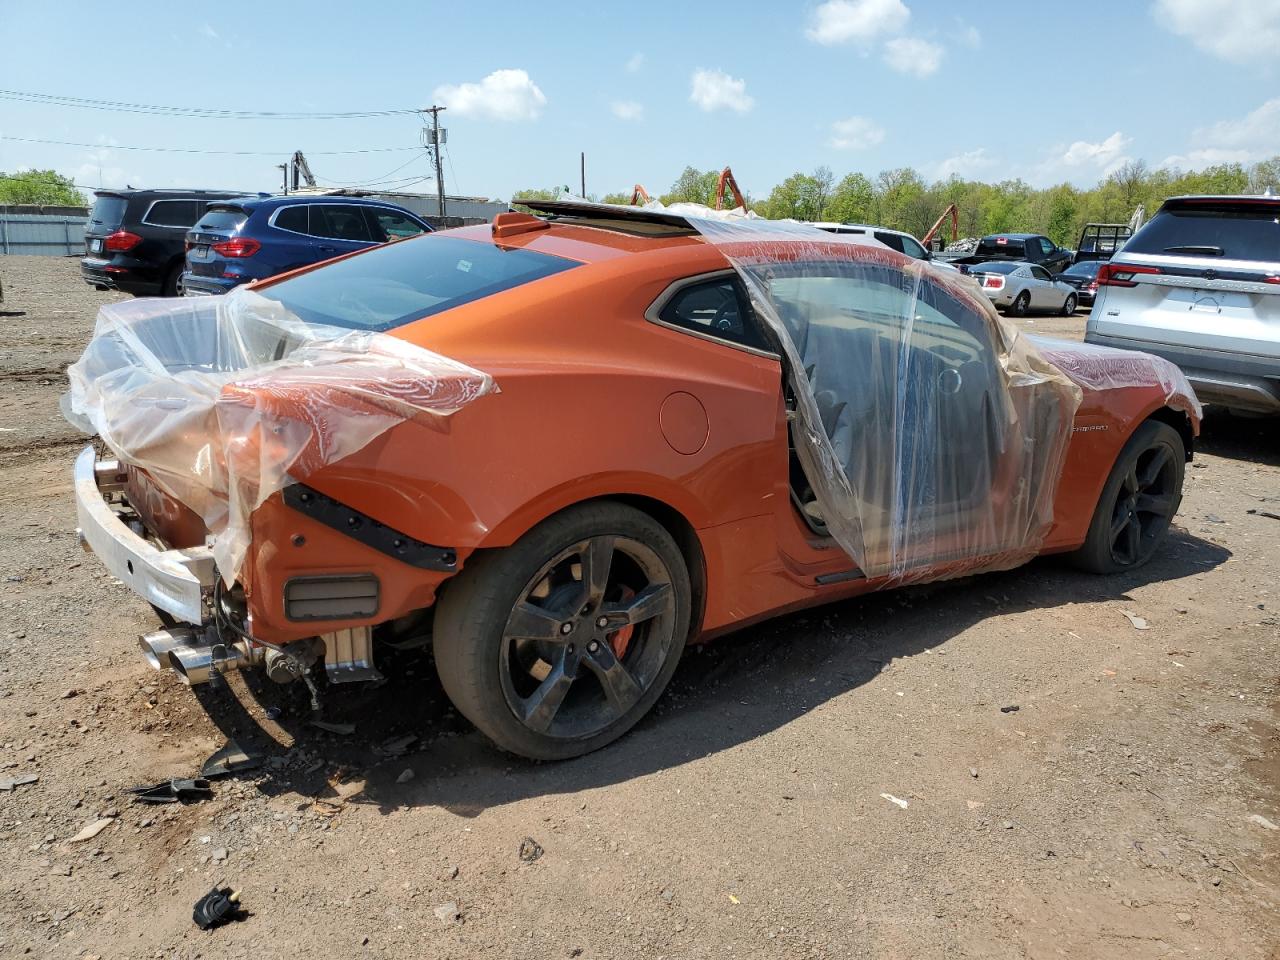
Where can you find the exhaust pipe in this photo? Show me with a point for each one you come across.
(158, 644)
(192, 657)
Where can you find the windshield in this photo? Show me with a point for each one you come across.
(392, 285)
(996, 267)
(1233, 230)
(221, 218)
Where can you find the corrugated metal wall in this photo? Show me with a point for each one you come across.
(59, 234)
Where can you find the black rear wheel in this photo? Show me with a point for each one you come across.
(1069, 305)
(1021, 304)
(560, 643)
(173, 282)
(1138, 501)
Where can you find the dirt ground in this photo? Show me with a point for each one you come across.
(1126, 808)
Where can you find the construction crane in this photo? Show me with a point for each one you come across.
(640, 196)
(951, 212)
(298, 169)
(727, 180)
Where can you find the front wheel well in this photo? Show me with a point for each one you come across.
(686, 539)
(1180, 422)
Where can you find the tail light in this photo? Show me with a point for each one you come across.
(993, 281)
(121, 241)
(237, 247)
(1121, 274)
(1093, 286)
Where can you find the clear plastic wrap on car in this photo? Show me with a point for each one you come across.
(932, 433)
(223, 400)
(1097, 367)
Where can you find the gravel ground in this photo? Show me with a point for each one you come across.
(852, 782)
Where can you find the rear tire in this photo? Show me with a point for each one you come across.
(1021, 304)
(173, 282)
(1138, 502)
(1069, 305)
(550, 660)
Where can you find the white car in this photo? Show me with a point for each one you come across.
(1200, 285)
(893, 239)
(1021, 288)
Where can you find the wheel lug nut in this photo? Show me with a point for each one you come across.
(566, 628)
(602, 622)
(592, 647)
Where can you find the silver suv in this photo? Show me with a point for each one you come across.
(1200, 285)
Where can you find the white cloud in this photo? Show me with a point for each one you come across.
(839, 21)
(856, 133)
(1240, 140)
(1105, 154)
(627, 110)
(1236, 30)
(101, 169)
(635, 63)
(502, 95)
(965, 164)
(716, 90)
(913, 55)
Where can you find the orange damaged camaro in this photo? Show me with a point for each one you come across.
(560, 448)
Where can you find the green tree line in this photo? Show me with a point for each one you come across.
(45, 187)
(903, 200)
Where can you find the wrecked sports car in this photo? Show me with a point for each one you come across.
(561, 447)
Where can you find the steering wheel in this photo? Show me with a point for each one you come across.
(727, 315)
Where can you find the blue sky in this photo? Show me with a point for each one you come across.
(990, 91)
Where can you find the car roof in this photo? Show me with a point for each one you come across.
(168, 193)
(832, 225)
(271, 201)
(593, 232)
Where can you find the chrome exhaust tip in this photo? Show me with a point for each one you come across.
(195, 665)
(159, 644)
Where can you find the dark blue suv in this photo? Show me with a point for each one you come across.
(252, 238)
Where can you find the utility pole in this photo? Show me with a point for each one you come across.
(436, 141)
(583, 170)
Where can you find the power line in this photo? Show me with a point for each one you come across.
(229, 153)
(118, 106)
(376, 180)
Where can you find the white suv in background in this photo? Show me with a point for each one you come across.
(893, 239)
(1199, 284)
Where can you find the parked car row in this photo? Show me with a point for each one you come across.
(199, 242)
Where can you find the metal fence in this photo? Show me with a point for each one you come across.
(42, 231)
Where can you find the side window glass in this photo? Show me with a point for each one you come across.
(890, 240)
(713, 308)
(339, 222)
(1046, 246)
(292, 218)
(172, 213)
(912, 249)
(1040, 273)
(396, 226)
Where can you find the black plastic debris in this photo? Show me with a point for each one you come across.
(174, 791)
(220, 905)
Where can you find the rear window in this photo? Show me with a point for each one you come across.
(996, 267)
(1001, 247)
(108, 212)
(395, 284)
(1230, 230)
(222, 219)
(1087, 268)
